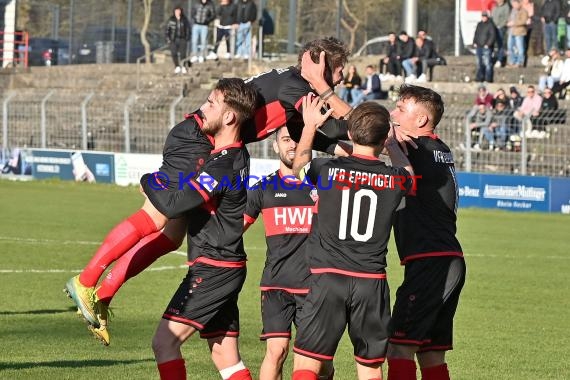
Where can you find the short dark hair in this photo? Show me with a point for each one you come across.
(241, 97)
(430, 99)
(369, 124)
(336, 54)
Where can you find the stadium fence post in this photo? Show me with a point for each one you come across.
(84, 120)
(43, 118)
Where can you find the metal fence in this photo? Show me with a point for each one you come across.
(139, 123)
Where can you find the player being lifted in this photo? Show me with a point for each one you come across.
(349, 244)
(142, 238)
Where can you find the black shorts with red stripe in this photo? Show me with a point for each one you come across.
(335, 301)
(279, 309)
(207, 299)
(426, 303)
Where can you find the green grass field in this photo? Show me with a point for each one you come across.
(512, 321)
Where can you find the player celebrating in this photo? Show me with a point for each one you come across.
(422, 320)
(137, 242)
(349, 244)
(206, 300)
(287, 205)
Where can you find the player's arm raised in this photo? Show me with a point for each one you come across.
(397, 156)
(313, 119)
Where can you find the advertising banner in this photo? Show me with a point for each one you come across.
(469, 189)
(15, 164)
(72, 165)
(129, 168)
(560, 195)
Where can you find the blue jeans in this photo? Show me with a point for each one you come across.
(484, 65)
(409, 67)
(243, 39)
(201, 32)
(516, 49)
(568, 36)
(501, 34)
(550, 36)
(358, 96)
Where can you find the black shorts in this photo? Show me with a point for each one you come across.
(185, 150)
(207, 300)
(426, 303)
(333, 302)
(279, 309)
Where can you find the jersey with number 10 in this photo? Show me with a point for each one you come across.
(357, 199)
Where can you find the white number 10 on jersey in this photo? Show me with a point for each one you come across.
(354, 223)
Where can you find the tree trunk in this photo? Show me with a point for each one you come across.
(147, 13)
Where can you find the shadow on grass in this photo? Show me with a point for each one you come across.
(69, 364)
(36, 312)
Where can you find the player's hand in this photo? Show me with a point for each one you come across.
(403, 138)
(312, 116)
(312, 72)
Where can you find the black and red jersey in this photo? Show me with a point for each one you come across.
(287, 207)
(426, 226)
(357, 199)
(216, 195)
(281, 92)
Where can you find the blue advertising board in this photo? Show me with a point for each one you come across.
(72, 165)
(560, 195)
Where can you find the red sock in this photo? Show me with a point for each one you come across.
(242, 374)
(439, 372)
(172, 370)
(304, 374)
(401, 369)
(118, 241)
(137, 259)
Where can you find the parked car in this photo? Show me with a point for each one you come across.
(47, 52)
(374, 46)
(100, 44)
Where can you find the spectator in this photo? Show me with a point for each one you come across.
(484, 97)
(371, 89)
(484, 42)
(500, 127)
(500, 16)
(517, 32)
(554, 67)
(515, 99)
(351, 80)
(550, 13)
(548, 114)
(426, 58)
(529, 109)
(479, 122)
(177, 36)
(227, 17)
(203, 13)
(528, 5)
(500, 95)
(407, 51)
(246, 15)
(390, 60)
(564, 77)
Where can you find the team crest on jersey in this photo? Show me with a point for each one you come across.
(314, 195)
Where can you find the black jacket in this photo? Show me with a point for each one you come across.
(407, 49)
(247, 11)
(227, 14)
(203, 14)
(178, 28)
(485, 34)
(550, 11)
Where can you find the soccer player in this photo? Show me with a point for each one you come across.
(357, 199)
(422, 318)
(287, 206)
(138, 241)
(206, 300)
